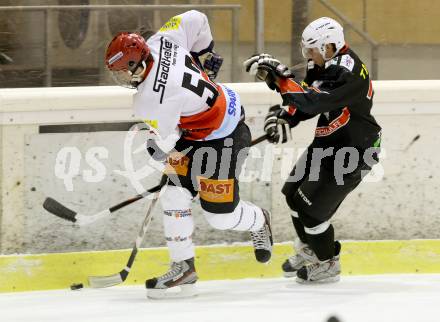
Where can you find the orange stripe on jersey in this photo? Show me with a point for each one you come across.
(291, 110)
(289, 86)
(344, 49)
(370, 90)
(200, 125)
(335, 125)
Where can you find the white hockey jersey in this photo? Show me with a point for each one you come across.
(177, 98)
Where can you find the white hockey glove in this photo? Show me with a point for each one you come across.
(276, 125)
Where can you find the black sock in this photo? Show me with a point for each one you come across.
(323, 244)
(299, 227)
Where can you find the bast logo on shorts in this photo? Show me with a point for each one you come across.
(216, 190)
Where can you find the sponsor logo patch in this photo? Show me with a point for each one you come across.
(334, 125)
(178, 213)
(232, 101)
(177, 164)
(172, 24)
(347, 62)
(303, 196)
(153, 123)
(163, 67)
(115, 58)
(178, 238)
(216, 190)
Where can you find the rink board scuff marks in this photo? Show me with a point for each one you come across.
(373, 298)
(222, 262)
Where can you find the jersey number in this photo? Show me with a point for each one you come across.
(364, 71)
(201, 85)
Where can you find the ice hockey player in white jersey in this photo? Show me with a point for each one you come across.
(173, 72)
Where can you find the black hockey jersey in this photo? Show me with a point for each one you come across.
(342, 93)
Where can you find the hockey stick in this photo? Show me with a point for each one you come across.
(118, 278)
(59, 210)
(258, 140)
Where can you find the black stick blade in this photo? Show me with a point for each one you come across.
(54, 207)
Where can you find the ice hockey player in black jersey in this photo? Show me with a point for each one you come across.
(337, 87)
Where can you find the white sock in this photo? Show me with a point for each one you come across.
(178, 222)
(178, 228)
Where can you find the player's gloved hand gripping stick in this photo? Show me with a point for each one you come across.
(277, 126)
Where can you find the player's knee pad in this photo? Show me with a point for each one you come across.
(175, 198)
(223, 221)
(245, 217)
(313, 226)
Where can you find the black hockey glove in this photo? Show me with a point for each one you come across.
(210, 62)
(277, 126)
(270, 70)
(158, 156)
(212, 65)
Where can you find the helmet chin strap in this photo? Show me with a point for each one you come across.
(334, 54)
(137, 78)
(323, 54)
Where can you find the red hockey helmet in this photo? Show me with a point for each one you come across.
(128, 59)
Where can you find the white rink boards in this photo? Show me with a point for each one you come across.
(405, 109)
(387, 298)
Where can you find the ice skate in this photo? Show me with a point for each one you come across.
(178, 282)
(262, 240)
(328, 271)
(322, 272)
(304, 256)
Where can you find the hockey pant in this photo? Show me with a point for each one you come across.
(314, 194)
(210, 169)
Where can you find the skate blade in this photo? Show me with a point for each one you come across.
(327, 280)
(176, 292)
(289, 274)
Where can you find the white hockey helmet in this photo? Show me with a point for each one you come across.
(321, 32)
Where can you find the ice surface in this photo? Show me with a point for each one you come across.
(401, 298)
